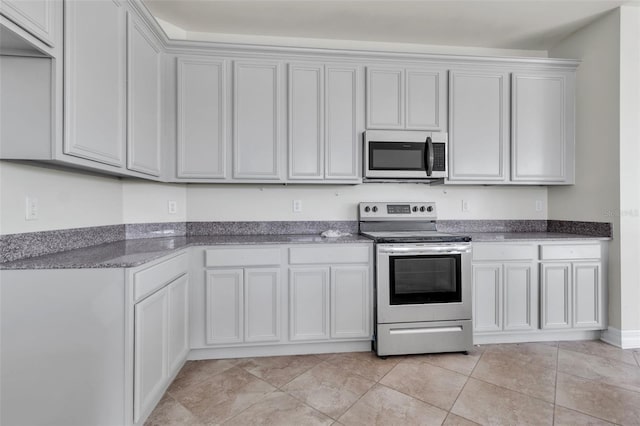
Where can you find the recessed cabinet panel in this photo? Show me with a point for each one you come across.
(256, 120)
(224, 306)
(487, 297)
(308, 304)
(478, 126)
(95, 80)
(342, 122)
(202, 118)
(556, 295)
(35, 16)
(178, 322)
(425, 98)
(587, 296)
(143, 89)
(151, 334)
(306, 121)
(539, 127)
(385, 98)
(520, 297)
(350, 305)
(262, 305)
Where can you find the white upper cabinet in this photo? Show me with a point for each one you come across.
(412, 98)
(143, 93)
(324, 122)
(95, 74)
(542, 127)
(478, 126)
(35, 16)
(257, 120)
(202, 117)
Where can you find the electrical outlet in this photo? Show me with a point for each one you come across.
(297, 206)
(172, 206)
(465, 206)
(31, 212)
(538, 205)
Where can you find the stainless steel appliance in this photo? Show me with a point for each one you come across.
(423, 280)
(406, 155)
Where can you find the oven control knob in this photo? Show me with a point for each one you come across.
(423, 208)
(375, 209)
(367, 209)
(430, 208)
(415, 208)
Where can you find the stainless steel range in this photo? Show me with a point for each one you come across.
(423, 280)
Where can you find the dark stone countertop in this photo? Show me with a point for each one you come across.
(131, 253)
(481, 237)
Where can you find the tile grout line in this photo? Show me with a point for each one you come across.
(465, 385)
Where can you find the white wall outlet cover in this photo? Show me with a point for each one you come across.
(538, 205)
(172, 207)
(31, 212)
(297, 206)
(465, 206)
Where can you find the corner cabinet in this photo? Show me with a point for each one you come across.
(406, 98)
(35, 16)
(324, 122)
(532, 291)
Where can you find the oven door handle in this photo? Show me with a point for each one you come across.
(457, 249)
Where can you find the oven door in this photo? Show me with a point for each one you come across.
(423, 282)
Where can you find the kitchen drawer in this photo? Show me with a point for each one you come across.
(501, 252)
(329, 254)
(221, 257)
(570, 251)
(157, 276)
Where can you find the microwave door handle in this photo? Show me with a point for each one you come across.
(428, 156)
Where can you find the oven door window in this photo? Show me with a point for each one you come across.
(396, 156)
(424, 279)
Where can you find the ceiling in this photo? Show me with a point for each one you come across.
(505, 24)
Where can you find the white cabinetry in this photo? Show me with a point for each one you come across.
(143, 93)
(542, 127)
(406, 98)
(324, 111)
(202, 111)
(95, 51)
(350, 305)
(257, 120)
(35, 16)
(573, 293)
(309, 304)
(505, 287)
(478, 126)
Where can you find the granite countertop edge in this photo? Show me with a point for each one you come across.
(137, 252)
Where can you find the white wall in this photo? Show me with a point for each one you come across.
(320, 202)
(148, 201)
(67, 199)
(629, 167)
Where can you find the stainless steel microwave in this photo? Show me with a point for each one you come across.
(404, 155)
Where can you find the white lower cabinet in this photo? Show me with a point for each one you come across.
(510, 296)
(308, 303)
(350, 307)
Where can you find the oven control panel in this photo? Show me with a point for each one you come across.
(397, 211)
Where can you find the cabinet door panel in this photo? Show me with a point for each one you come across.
(150, 349)
(385, 98)
(256, 120)
(143, 87)
(588, 301)
(308, 304)
(350, 302)
(487, 297)
(425, 100)
(306, 121)
(224, 305)
(262, 305)
(343, 109)
(556, 295)
(178, 338)
(35, 16)
(478, 126)
(520, 297)
(95, 51)
(539, 138)
(202, 117)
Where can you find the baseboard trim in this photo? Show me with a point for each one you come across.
(625, 339)
(534, 336)
(275, 350)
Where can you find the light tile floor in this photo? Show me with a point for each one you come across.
(565, 383)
